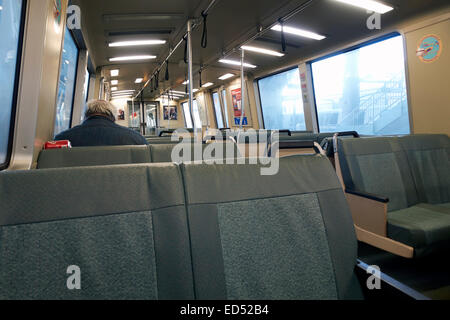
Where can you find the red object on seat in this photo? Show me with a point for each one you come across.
(57, 144)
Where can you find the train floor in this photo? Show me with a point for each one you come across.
(430, 275)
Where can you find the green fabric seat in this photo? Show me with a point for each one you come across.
(429, 159)
(92, 156)
(424, 227)
(125, 227)
(286, 236)
(414, 173)
(378, 166)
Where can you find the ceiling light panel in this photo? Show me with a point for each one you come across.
(131, 58)
(299, 32)
(369, 5)
(263, 51)
(134, 43)
(237, 63)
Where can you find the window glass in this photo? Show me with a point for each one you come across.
(363, 90)
(66, 88)
(10, 23)
(217, 108)
(225, 108)
(187, 115)
(281, 101)
(85, 93)
(197, 120)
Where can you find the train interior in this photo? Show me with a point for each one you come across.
(313, 138)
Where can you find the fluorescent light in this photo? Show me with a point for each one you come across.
(114, 73)
(114, 89)
(179, 92)
(131, 58)
(136, 43)
(122, 97)
(226, 76)
(139, 80)
(195, 90)
(299, 32)
(114, 82)
(237, 63)
(186, 82)
(369, 5)
(207, 85)
(123, 91)
(262, 50)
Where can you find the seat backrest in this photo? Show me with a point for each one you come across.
(125, 227)
(428, 156)
(92, 156)
(378, 166)
(286, 236)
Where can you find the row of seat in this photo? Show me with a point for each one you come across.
(157, 231)
(408, 179)
(112, 155)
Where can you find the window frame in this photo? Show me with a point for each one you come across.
(75, 78)
(17, 76)
(356, 47)
(271, 75)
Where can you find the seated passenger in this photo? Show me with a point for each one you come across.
(99, 129)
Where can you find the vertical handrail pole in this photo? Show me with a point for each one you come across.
(242, 88)
(191, 76)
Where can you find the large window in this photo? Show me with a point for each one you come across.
(10, 34)
(218, 109)
(225, 108)
(187, 115)
(281, 101)
(66, 88)
(363, 90)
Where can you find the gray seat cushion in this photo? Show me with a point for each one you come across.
(125, 227)
(287, 236)
(424, 227)
(93, 156)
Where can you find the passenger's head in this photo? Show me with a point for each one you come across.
(100, 108)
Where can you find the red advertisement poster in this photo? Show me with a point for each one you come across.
(237, 102)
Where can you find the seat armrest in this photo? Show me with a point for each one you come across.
(367, 195)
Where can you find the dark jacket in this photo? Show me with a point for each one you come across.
(100, 131)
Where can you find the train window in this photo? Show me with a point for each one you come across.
(281, 101)
(363, 89)
(225, 108)
(187, 115)
(218, 109)
(10, 35)
(66, 87)
(85, 93)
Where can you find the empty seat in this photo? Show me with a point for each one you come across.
(287, 236)
(92, 156)
(124, 226)
(412, 172)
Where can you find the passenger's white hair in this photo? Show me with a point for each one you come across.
(100, 107)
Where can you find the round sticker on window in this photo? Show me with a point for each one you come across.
(430, 48)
